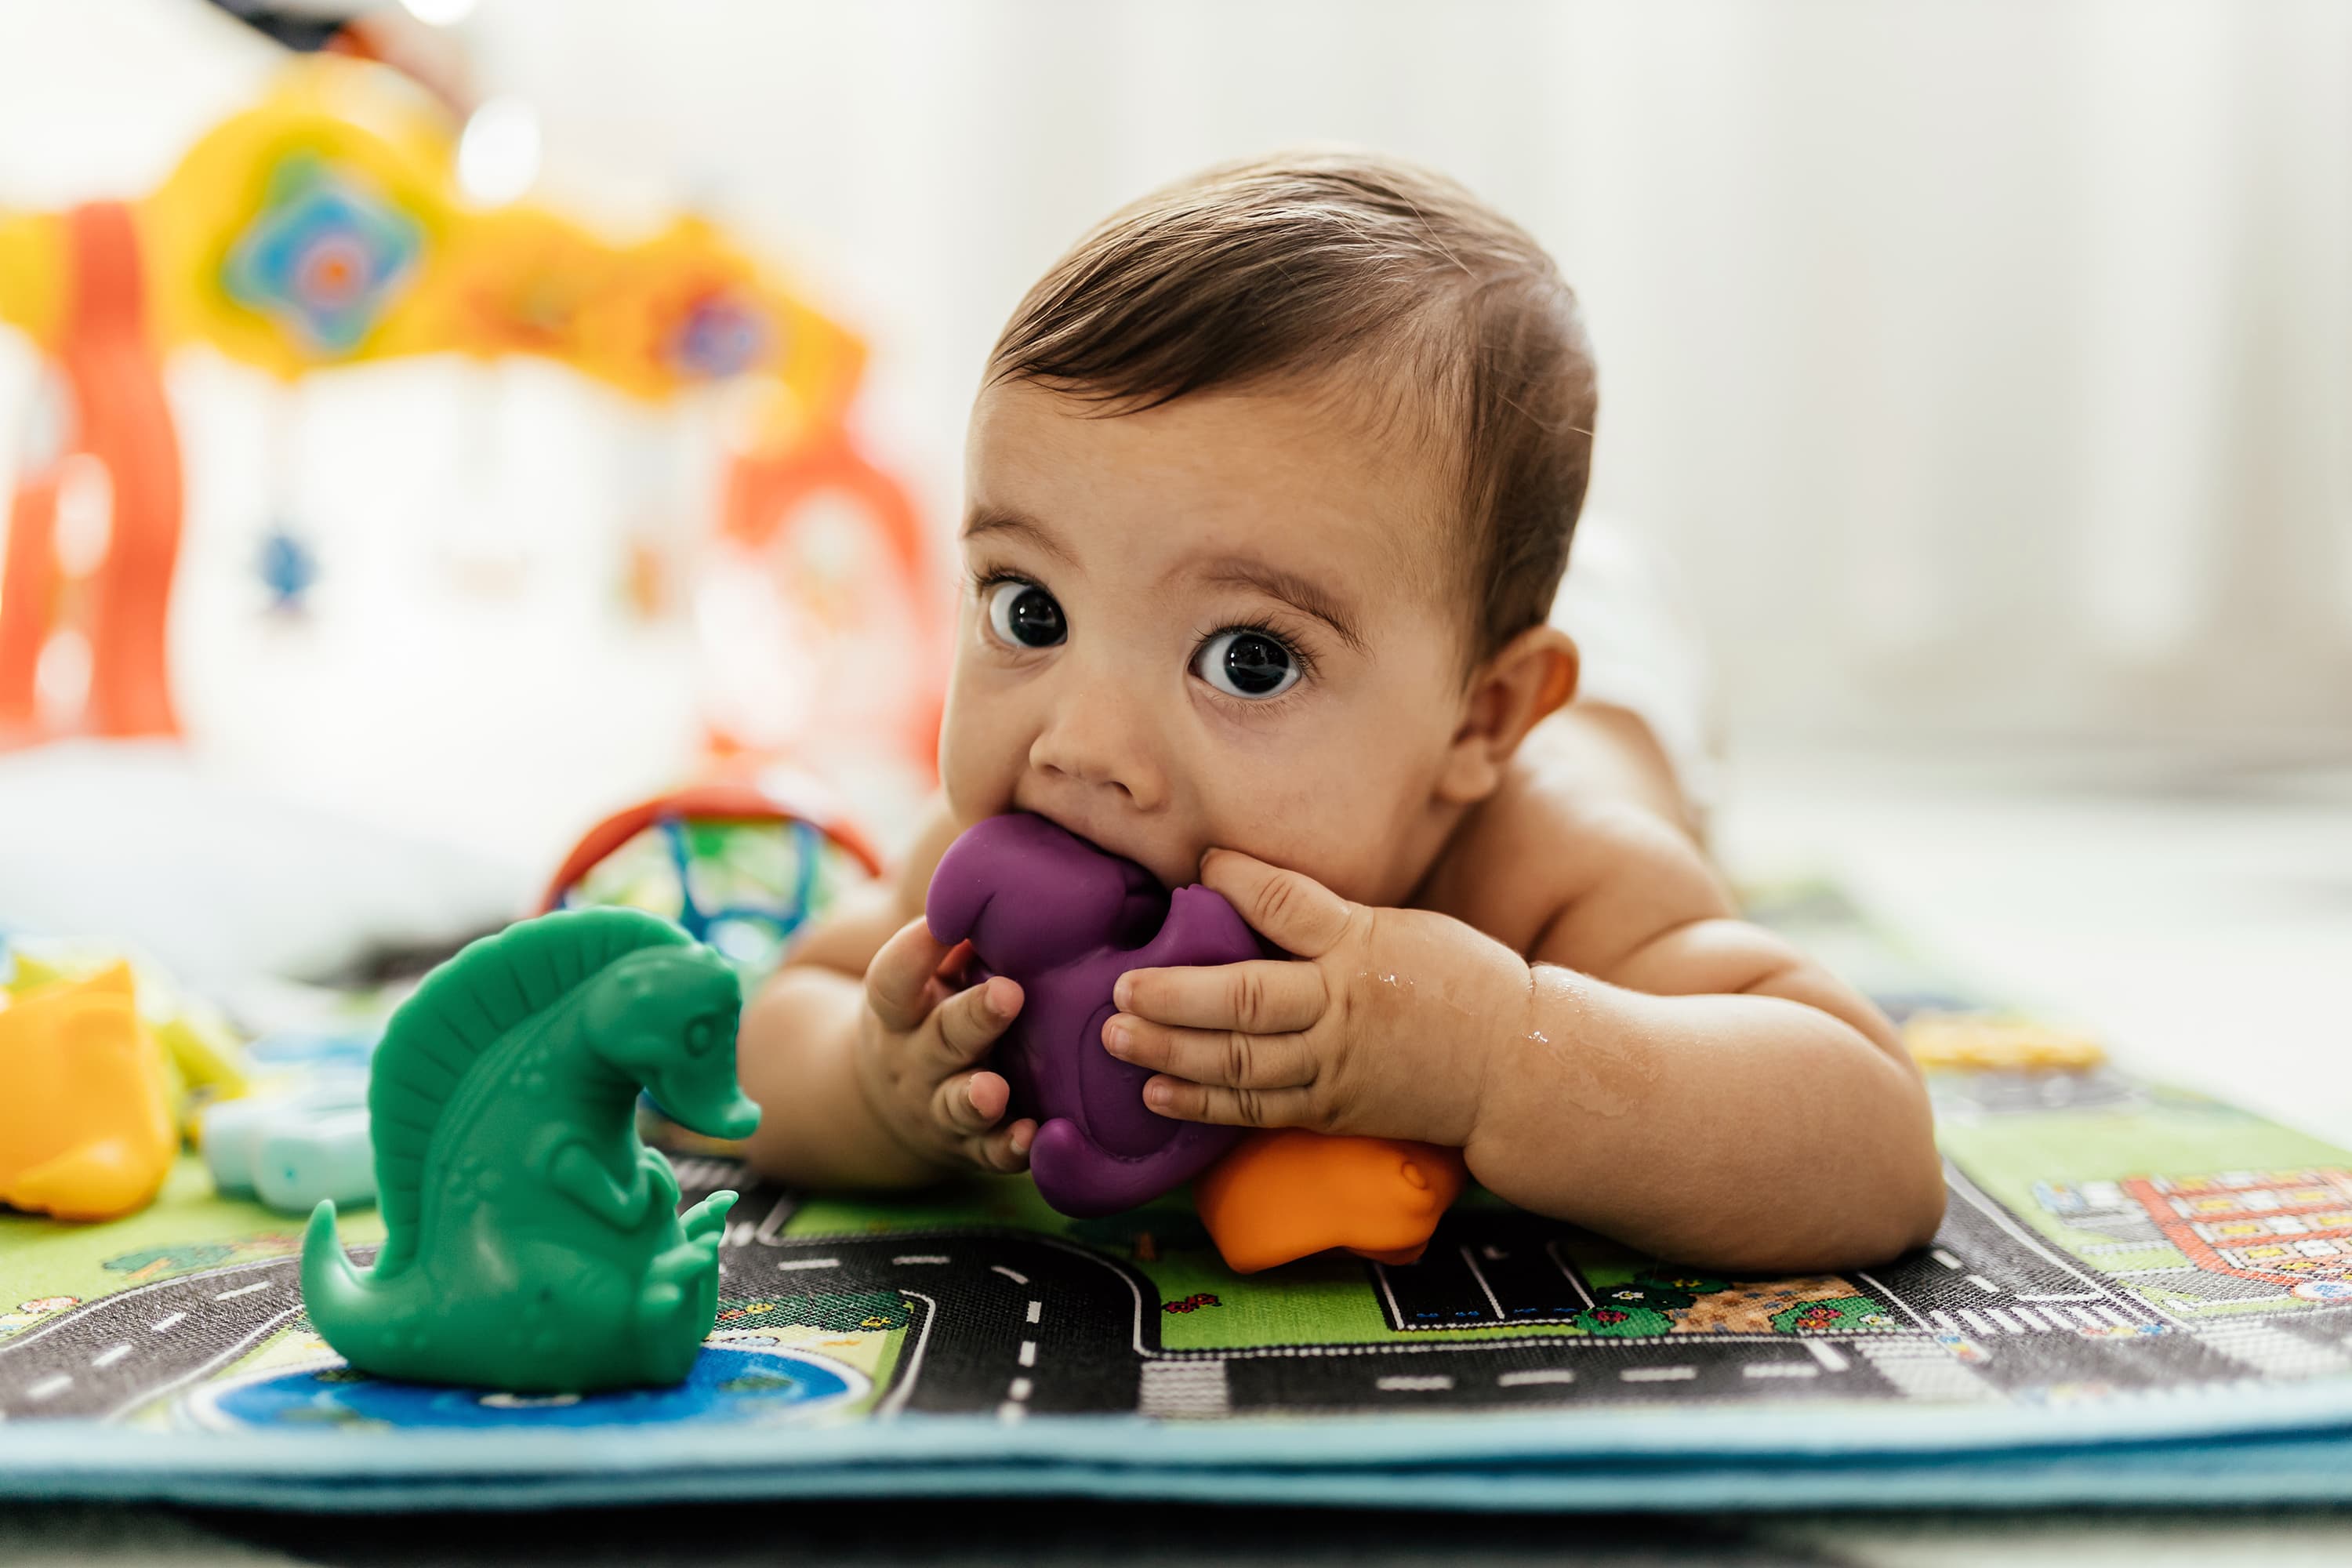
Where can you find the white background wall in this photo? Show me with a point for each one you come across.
(1990, 363)
(1986, 363)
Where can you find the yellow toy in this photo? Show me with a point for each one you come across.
(86, 1129)
(203, 1058)
(1985, 1042)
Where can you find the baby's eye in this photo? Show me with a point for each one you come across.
(1023, 615)
(1245, 663)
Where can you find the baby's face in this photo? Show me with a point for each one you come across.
(1226, 622)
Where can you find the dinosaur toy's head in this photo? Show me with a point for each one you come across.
(664, 1017)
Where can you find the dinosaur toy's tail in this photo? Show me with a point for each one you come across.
(342, 1305)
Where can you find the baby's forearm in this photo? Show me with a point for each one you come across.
(795, 1054)
(1733, 1132)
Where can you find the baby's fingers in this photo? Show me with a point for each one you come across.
(1174, 1096)
(1007, 1149)
(898, 980)
(969, 1022)
(970, 1102)
(1262, 996)
(1226, 1057)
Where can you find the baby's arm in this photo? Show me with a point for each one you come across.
(1629, 1056)
(1812, 1115)
(1697, 1083)
(860, 1052)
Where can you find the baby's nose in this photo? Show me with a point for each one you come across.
(1096, 737)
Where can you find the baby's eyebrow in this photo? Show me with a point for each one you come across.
(982, 522)
(1301, 593)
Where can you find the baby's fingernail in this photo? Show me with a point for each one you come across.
(1159, 1096)
(994, 1000)
(1120, 991)
(1118, 1038)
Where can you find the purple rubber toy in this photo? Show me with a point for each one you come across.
(1066, 920)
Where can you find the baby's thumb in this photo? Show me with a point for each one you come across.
(898, 980)
(1296, 913)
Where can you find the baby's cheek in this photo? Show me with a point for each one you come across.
(981, 756)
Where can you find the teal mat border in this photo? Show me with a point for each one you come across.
(2242, 1446)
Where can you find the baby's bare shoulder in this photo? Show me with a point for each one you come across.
(1571, 875)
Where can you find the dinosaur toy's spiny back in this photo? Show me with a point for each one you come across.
(462, 1009)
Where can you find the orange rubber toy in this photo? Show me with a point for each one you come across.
(86, 1129)
(1287, 1193)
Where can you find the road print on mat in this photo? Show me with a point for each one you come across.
(2106, 1240)
(2097, 1244)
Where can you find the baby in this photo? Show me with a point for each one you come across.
(1270, 488)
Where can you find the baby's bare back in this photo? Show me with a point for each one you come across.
(1583, 852)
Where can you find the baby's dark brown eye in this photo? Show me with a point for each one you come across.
(1024, 614)
(1247, 664)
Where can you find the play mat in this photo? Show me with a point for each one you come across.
(2138, 1295)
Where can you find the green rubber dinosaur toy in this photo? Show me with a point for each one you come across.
(531, 1243)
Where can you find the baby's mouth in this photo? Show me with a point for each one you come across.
(1109, 837)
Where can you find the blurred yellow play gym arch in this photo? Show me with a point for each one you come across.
(324, 226)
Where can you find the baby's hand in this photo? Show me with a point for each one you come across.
(1382, 1025)
(918, 1040)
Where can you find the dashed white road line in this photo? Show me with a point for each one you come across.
(1028, 1353)
(920, 1258)
(1036, 1310)
(1983, 1284)
(15, 1344)
(1412, 1384)
(1946, 1260)
(2093, 1296)
(50, 1387)
(203, 1368)
(1013, 1274)
(1657, 1374)
(1017, 1397)
(1779, 1369)
(109, 1356)
(1832, 1358)
(790, 1263)
(2032, 1318)
(166, 1325)
(242, 1290)
(1537, 1374)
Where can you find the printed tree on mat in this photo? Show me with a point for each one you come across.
(1843, 1314)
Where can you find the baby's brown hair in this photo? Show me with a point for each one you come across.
(1302, 263)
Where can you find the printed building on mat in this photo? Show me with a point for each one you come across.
(2287, 1229)
(2283, 1227)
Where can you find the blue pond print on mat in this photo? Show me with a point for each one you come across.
(730, 1384)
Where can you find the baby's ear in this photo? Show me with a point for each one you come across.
(1530, 678)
